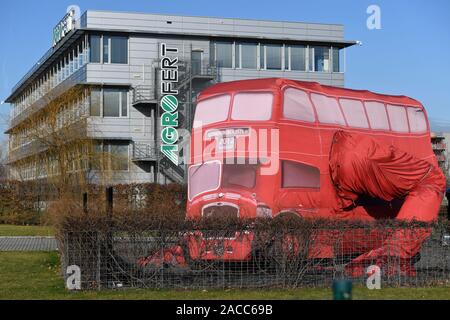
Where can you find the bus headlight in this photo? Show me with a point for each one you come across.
(263, 211)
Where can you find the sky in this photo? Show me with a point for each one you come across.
(409, 55)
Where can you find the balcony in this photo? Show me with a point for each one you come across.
(144, 152)
(196, 71)
(440, 158)
(439, 146)
(144, 94)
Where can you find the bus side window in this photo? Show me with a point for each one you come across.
(328, 110)
(354, 113)
(299, 175)
(297, 105)
(397, 116)
(377, 115)
(417, 122)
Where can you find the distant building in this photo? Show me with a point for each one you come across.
(439, 145)
(116, 55)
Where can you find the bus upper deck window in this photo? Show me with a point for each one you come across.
(354, 113)
(252, 106)
(417, 121)
(212, 110)
(397, 117)
(297, 105)
(328, 110)
(377, 115)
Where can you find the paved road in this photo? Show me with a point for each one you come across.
(28, 244)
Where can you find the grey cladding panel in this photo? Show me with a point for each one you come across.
(212, 26)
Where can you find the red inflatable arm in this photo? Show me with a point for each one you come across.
(361, 166)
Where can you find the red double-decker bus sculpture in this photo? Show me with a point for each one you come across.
(268, 147)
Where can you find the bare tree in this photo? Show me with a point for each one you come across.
(3, 158)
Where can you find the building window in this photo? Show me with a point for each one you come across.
(336, 60)
(273, 56)
(246, 55)
(119, 50)
(297, 58)
(94, 44)
(110, 102)
(108, 49)
(224, 54)
(117, 155)
(319, 59)
(115, 103)
(95, 102)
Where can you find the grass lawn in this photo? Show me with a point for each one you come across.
(13, 230)
(34, 275)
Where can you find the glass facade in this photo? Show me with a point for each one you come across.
(269, 56)
(90, 48)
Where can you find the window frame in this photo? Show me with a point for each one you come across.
(101, 90)
(108, 143)
(231, 108)
(255, 169)
(102, 47)
(345, 124)
(238, 55)
(408, 129)
(296, 162)
(312, 62)
(205, 191)
(233, 51)
(282, 58)
(308, 94)
(230, 103)
(389, 129)
(121, 91)
(427, 125)
(363, 109)
(288, 57)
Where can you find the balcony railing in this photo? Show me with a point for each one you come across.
(144, 152)
(144, 94)
(439, 146)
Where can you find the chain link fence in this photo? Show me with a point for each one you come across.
(256, 255)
